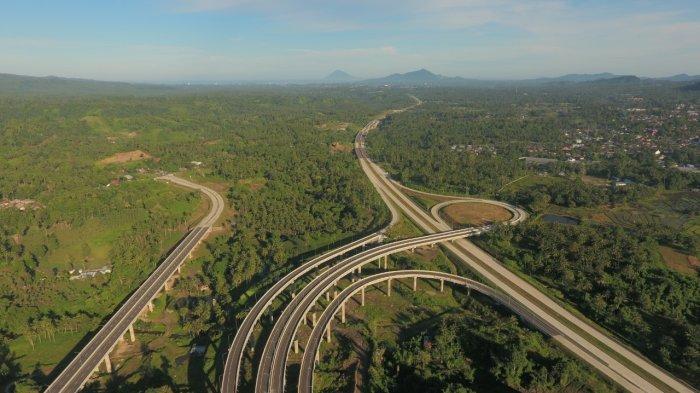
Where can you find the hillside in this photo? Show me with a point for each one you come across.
(51, 85)
(339, 76)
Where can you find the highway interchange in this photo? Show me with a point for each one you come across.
(629, 369)
(599, 349)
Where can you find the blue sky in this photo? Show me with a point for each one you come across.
(227, 40)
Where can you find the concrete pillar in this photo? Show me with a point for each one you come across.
(296, 346)
(328, 296)
(132, 336)
(388, 287)
(342, 312)
(150, 305)
(108, 364)
(328, 332)
(415, 283)
(379, 262)
(313, 316)
(316, 358)
(335, 294)
(442, 285)
(363, 296)
(168, 284)
(178, 269)
(359, 269)
(386, 261)
(294, 294)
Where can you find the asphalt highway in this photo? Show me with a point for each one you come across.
(81, 367)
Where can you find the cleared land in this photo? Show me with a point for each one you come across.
(678, 261)
(127, 156)
(475, 213)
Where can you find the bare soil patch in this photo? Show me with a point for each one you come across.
(334, 126)
(338, 147)
(475, 213)
(253, 184)
(427, 253)
(127, 156)
(678, 261)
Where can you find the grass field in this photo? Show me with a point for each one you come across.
(679, 261)
(89, 245)
(475, 213)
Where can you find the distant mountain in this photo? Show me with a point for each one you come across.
(339, 76)
(681, 78)
(422, 77)
(570, 78)
(585, 77)
(624, 79)
(11, 84)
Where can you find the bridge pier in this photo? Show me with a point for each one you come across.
(335, 294)
(296, 346)
(108, 364)
(328, 296)
(328, 332)
(359, 269)
(415, 283)
(313, 316)
(179, 267)
(388, 287)
(363, 296)
(132, 336)
(342, 312)
(379, 262)
(168, 284)
(442, 285)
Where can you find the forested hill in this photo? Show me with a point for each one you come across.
(51, 85)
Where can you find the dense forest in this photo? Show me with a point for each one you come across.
(614, 277)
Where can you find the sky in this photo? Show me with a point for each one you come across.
(246, 40)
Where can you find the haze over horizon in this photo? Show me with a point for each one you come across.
(239, 40)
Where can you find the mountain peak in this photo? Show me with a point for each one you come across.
(339, 76)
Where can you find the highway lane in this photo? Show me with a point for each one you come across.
(577, 335)
(308, 362)
(81, 367)
(271, 370)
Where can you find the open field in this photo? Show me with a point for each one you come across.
(127, 156)
(679, 261)
(475, 213)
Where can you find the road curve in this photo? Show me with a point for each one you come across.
(306, 371)
(577, 335)
(78, 371)
(229, 382)
(271, 370)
